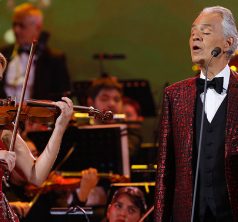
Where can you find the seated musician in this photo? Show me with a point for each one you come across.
(106, 93)
(128, 204)
(88, 194)
(21, 162)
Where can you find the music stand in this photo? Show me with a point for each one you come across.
(77, 214)
(104, 147)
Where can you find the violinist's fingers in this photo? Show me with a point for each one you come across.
(4, 164)
(11, 160)
(9, 157)
(66, 107)
(68, 101)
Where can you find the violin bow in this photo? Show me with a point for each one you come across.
(28, 68)
(5, 178)
(147, 214)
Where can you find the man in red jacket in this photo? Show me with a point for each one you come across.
(216, 196)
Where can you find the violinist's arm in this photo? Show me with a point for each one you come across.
(37, 170)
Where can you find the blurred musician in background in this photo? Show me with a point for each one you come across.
(49, 77)
(131, 108)
(127, 204)
(106, 93)
(88, 194)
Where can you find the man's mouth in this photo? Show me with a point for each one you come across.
(196, 48)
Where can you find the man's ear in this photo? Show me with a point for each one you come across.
(228, 44)
(90, 101)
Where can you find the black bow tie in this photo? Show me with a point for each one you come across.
(23, 50)
(216, 83)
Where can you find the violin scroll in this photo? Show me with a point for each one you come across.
(97, 114)
(108, 115)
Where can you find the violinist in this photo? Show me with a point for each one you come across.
(21, 163)
(49, 75)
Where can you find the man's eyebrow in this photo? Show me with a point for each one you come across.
(205, 25)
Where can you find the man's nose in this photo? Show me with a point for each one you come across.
(196, 36)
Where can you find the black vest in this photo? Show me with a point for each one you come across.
(212, 189)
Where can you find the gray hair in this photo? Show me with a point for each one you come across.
(228, 24)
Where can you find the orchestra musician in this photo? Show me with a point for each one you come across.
(127, 204)
(49, 76)
(20, 162)
(106, 93)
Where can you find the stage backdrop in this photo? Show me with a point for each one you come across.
(153, 35)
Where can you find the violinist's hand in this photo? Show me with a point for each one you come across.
(8, 158)
(66, 107)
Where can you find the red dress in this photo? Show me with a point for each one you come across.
(6, 212)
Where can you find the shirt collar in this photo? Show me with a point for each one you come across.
(225, 73)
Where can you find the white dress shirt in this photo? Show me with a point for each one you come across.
(214, 99)
(15, 77)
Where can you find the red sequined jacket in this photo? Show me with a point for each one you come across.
(176, 138)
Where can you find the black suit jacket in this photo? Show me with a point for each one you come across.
(52, 79)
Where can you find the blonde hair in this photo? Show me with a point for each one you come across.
(27, 9)
(3, 61)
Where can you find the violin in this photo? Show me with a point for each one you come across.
(68, 181)
(10, 113)
(43, 111)
(97, 114)
(54, 183)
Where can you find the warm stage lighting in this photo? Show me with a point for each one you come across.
(234, 68)
(195, 68)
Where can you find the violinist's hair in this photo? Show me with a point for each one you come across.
(28, 9)
(3, 62)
